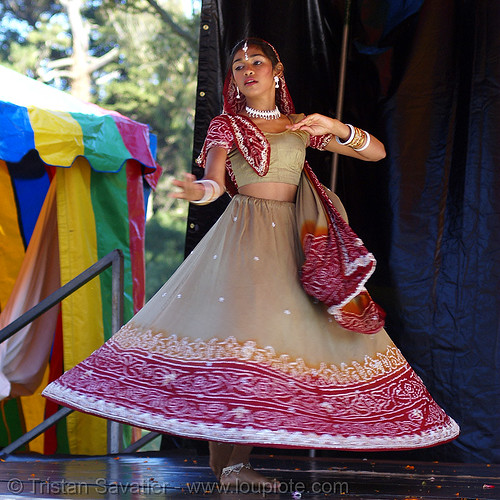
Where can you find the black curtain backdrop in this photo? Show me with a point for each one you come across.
(424, 77)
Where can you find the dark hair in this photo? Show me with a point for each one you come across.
(256, 42)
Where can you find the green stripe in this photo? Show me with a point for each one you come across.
(109, 201)
(12, 424)
(62, 437)
(103, 143)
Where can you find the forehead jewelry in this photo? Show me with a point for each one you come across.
(245, 50)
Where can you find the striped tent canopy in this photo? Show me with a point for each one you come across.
(74, 185)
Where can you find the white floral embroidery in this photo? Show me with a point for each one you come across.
(248, 434)
(186, 348)
(168, 378)
(260, 163)
(327, 407)
(256, 258)
(286, 311)
(334, 405)
(221, 299)
(240, 412)
(416, 414)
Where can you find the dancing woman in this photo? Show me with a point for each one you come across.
(265, 335)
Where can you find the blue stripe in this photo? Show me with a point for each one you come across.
(31, 183)
(16, 134)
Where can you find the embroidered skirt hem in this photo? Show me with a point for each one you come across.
(231, 349)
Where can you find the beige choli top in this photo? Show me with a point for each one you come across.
(288, 153)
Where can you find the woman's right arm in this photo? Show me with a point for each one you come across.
(215, 170)
(316, 124)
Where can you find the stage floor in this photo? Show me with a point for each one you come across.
(174, 475)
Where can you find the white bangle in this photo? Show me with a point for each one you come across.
(367, 142)
(349, 139)
(212, 191)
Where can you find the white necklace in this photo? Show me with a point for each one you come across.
(272, 114)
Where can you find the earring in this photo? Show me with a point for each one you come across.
(276, 82)
(237, 92)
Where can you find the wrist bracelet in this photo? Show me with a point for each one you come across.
(212, 191)
(358, 139)
(367, 142)
(349, 139)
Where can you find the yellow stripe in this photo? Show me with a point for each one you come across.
(11, 243)
(58, 136)
(34, 412)
(82, 311)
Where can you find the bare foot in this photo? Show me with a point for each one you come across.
(219, 456)
(242, 477)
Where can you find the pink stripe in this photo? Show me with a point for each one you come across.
(137, 229)
(135, 136)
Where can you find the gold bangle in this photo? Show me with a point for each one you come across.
(366, 144)
(358, 139)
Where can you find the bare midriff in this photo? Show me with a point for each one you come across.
(278, 191)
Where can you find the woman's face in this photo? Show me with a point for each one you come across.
(253, 72)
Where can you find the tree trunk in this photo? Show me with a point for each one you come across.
(80, 29)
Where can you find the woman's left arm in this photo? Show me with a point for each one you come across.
(356, 142)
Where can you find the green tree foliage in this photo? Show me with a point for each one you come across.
(165, 251)
(31, 37)
(27, 10)
(152, 80)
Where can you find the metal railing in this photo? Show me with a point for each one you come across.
(115, 260)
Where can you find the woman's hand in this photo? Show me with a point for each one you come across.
(214, 172)
(317, 124)
(189, 189)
